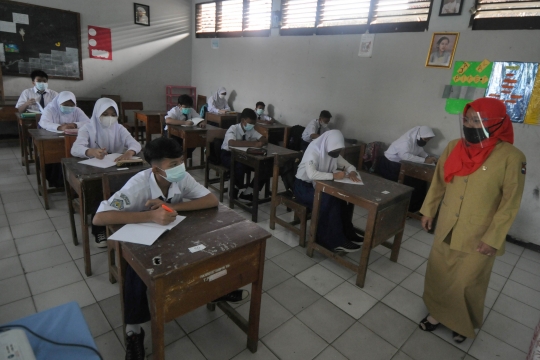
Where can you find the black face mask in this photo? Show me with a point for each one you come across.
(421, 142)
(333, 154)
(474, 135)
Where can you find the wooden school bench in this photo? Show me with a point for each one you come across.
(151, 119)
(274, 133)
(415, 170)
(223, 121)
(24, 124)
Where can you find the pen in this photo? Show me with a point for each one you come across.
(167, 208)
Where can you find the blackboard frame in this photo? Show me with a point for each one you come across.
(77, 16)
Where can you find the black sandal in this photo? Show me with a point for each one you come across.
(425, 325)
(458, 338)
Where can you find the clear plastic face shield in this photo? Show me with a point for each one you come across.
(477, 127)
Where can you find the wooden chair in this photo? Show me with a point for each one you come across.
(201, 100)
(69, 140)
(221, 171)
(132, 105)
(112, 184)
(286, 198)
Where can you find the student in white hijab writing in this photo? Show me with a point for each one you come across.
(103, 135)
(321, 161)
(410, 147)
(62, 113)
(217, 103)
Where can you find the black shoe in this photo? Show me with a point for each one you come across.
(135, 346)
(245, 198)
(458, 338)
(348, 246)
(101, 240)
(357, 239)
(233, 297)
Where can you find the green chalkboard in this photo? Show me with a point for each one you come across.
(38, 37)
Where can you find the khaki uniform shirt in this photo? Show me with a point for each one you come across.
(481, 206)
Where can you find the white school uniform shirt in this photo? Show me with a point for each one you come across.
(215, 103)
(316, 164)
(235, 132)
(116, 139)
(263, 117)
(52, 117)
(176, 114)
(312, 128)
(143, 187)
(32, 93)
(406, 148)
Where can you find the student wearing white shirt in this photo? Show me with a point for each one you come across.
(217, 103)
(38, 94)
(103, 135)
(242, 135)
(261, 116)
(315, 128)
(321, 161)
(139, 201)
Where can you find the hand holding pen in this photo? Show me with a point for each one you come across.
(99, 153)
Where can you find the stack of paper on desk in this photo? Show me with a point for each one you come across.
(106, 162)
(144, 234)
(349, 181)
(195, 121)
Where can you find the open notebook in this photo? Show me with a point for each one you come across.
(145, 233)
(104, 163)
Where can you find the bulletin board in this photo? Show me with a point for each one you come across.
(473, 77)
(37, 37)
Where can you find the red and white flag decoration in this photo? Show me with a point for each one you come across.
(99, 43)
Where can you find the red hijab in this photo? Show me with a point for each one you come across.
(465, 158)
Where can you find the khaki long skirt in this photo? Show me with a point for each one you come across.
(455, 287)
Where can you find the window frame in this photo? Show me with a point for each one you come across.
(504, 23)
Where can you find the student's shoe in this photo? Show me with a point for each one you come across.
(135, 346)
(357, 239)
(245, 198)
(101, 240)
(348, 246)
(233, 297)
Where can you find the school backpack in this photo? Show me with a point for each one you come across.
(373, 151)
(204, 110)
(295, 137)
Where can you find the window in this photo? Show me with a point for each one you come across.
(233, 18)
(506, 15)
(307, 17)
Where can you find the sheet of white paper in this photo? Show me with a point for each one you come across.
(138, 234)
(20, 18)
(239, 148)
(196, 121)
(56, 131)
(178, 220)
(103, 164)
(8, 27)
(349, 181)
(34, 111)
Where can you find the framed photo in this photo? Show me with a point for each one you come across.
(142, 14)
(450, 7)
(442, 49)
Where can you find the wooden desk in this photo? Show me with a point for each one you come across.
(274, 132)
(386, 218)
(223, 121)
(354, 154)
(184, 281)
(24, 124)
(418, 171)
(258, 164)
(86, 182)
(49, 149)
(193, 137)
(152, 120)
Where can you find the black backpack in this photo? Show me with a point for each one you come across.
(295, 138)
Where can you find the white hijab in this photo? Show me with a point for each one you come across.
(106, 138)
(317, 153)
(53, 113)
(219, 102)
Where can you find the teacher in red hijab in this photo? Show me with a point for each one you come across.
(478, 184)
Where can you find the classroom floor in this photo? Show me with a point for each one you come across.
(311, 308)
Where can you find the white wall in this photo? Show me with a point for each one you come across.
(145, 59)
(371, 99)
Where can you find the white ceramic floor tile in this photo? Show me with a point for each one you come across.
(388, 324)
(78, 292)
(502, 268)
(275, 247)
(513, 248)
(375, 285)
(517, 310)
(406, 303)
(526, 278)
(111, 308)
(7, 249)
(293, 262)
(198, 318)
(401, 356)
(488, 347)
(183, 347)
(424, 237)
(101, 287)
(109, 346)
(53, 277)
(360, 343)
(351, 299)
(16, 310)
(522, 293)
(338, 269)
(45, 258)
(414, 283)
(99, 262)
(531, 255)
(5, 234)
(418, 247)
(330, 353)
(508, 330)
(390, 270)
(96, 320)
(319, 279)
(294, 295)
(10, 267)
(288, 237)
(25, 217)
(38, 242)
(272, 314)
(423, 345)
(491, 297)
(33, 228)
(528, 265)
(496, 281)
(273, 275)
(509, 258)
(26, 205)
(262, 354)
(17, 196)
(13, 289)
(408, 259)
(422, 268)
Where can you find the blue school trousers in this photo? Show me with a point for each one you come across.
(136, 310)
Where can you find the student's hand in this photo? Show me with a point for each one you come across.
(222, 111)
(154, 204)
(30, 102)
(202, 124)
(485, 249)
(126, 156)
(354, 176)
(340, 175)
(426, 222)
(430, 160)
(163, 217)
(67, 126)
(96, 153)
(189, 122)
(314, 136)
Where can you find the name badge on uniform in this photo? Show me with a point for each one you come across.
(484, 168)
(523, 168)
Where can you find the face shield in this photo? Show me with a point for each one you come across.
(477, 127)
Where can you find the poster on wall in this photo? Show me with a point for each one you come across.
(512, 83)
(99, 43)
(469, 82)
(366, 45)
(532, 117)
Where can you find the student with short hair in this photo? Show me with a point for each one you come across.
(217, 103)
(261, 116)
(101, 136)
(315, 128)
(38, 94)
(242, 134)
(139, 201)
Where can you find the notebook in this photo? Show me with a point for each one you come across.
(145, 233)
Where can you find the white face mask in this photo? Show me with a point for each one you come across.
(42, 86)
(107, 121)
(221, 96)
(324, 125)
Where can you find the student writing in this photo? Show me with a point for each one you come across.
(217, 103)
(315, 128)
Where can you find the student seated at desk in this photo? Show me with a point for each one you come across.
(261, 117)
(217, 103)
(139, 201)
(103, 135)
(38, 94)
(315, 128)
(61, 114)
(410, 147)
(322, 161)
(243, 135)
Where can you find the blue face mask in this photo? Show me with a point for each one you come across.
(185, 111)
(249, 127)
(175, 174)
(67, 109)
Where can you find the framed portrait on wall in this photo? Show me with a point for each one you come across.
(450, 7)
(441, 50)
(142, 14)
